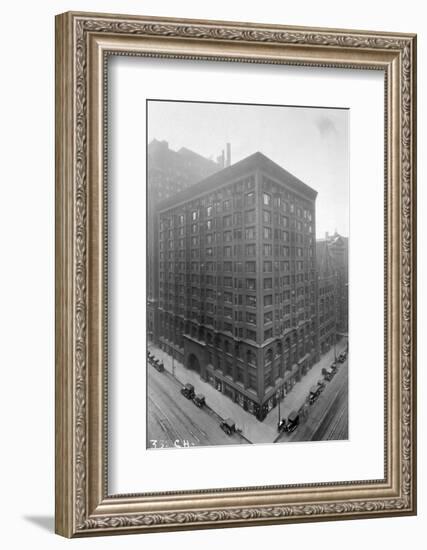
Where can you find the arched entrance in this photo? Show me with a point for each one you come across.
(193, 363)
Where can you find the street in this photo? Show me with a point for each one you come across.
(327, 417)
(175, 421)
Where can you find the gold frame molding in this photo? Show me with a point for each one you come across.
(83, 43)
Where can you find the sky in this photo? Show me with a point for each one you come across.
(311, 143)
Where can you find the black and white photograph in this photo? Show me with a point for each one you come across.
(247, 273)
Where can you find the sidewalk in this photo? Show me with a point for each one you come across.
(252, 429)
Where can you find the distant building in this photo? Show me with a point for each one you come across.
(332, 289)
(338, 248)
(237, 280)
(168, 173)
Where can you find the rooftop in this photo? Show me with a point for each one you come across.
(256, 161)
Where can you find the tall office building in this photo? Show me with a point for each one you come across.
(237, 280)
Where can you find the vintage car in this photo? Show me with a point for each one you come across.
(188, 391)
(314, 393)
(228, 426)
(158, 365)
(329, 374)
(290, 424)
(199, 400)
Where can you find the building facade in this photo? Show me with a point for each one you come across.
(327, 293)
(237, 281)
(338, 249)
(168, 173)
(332, 273)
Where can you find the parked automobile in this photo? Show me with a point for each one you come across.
(314, 393)
(158, 365)
(329, 374)
(188, 391)
(290, 424)
(321, 385)
(199, 400)
(228, 426)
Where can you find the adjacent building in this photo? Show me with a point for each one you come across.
(332, 289)
(168, 173)
(235, 280)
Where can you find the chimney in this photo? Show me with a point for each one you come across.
(228, 155)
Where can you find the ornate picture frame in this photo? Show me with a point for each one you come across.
(84, 42)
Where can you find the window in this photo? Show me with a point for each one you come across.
(251, 318)
(285, 251)
(209, 211)
(250, 284)
(228, 297)
(228, 236)
(267, 233)
(250, 267)
(268, 284)
(251, 300)
(209, 224)
(227, 251)
(249, 216)
(209, 251)
(194, 215)
(227, 204)
(266, 216)
(238, 267)
(268, 267)
(194, 241)
(268, 334)
(237, 218)
(228, 312)
(227, 221)
(194, 228)
(250, 199)
(251, 335)
(228, 266)
(268, 300)
(250, 233)
(268, 317)
(238, 234)
(228, 282)
(267, 249)
(209, 238)
(250, 250)
(266, 199)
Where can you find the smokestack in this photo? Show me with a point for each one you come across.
(228, 155)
